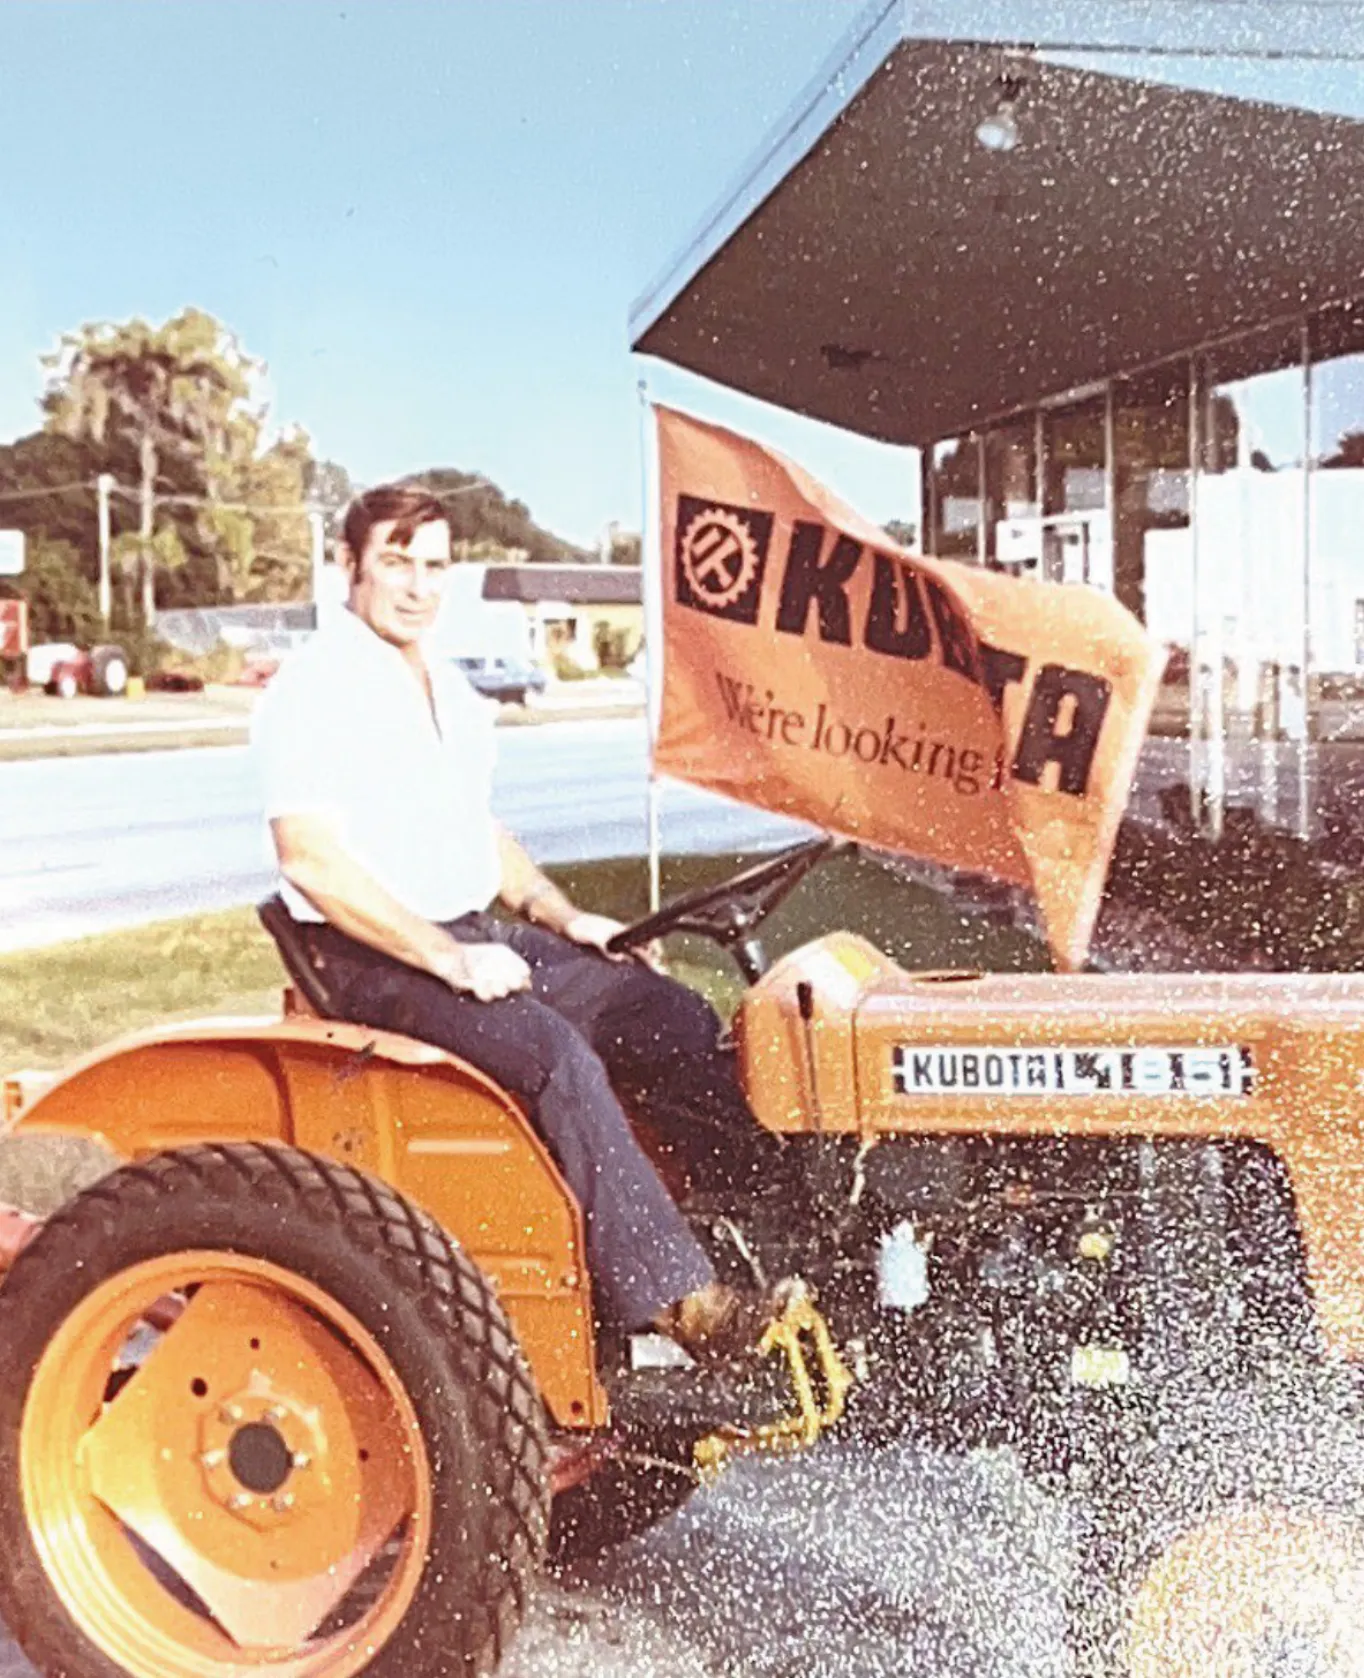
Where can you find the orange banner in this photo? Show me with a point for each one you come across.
(811, 667)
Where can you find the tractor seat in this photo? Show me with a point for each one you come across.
(283, 928)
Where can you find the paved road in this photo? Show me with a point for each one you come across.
(854, 1563)
(92, 843)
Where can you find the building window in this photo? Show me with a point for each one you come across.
(1152, 477)
(1076, 540)
(1250, 508)
(1011, 500)
(1336, 515)
(953, 497)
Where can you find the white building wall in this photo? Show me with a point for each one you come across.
(1249, 527)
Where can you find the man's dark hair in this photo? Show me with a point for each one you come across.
(410, 505)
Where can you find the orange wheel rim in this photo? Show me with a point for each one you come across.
(1251, 1594)
(243, 1487)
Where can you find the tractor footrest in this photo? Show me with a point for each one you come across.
(696, 1400)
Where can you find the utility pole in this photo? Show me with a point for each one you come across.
(147, 459)
(104, 485)
(317, 526)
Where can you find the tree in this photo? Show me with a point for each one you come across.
(275, 485)
(480, 513)
(627, 548)
(48, 486)
(62, 602)
(903, 534)
(1349, 452)
(174, 393)
(330, 490)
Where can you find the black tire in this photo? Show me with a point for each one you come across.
(109, 671)
(621, 1500)
(1290, 1458)
(397, 1272)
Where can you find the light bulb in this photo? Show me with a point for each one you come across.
(999, 131)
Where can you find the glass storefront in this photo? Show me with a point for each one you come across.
(953, 508)
(1336, 505)
(1250, 519)
(1077, 542)
(1236, 473)
(1152, 487)
(1010, 499)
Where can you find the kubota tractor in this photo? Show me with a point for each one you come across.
(308, 1384)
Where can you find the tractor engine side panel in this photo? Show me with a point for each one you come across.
(794, 1034)
(1277, 1061)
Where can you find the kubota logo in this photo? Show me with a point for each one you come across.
(906, 612)
(721, 556)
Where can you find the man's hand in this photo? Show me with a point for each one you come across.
(487, 971)
(17, 1229)
(596, 931)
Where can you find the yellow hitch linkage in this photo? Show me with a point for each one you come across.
(799, 1430)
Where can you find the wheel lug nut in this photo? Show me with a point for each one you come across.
(302, 1460)
(213, 1459)
(230, 1414)
(240, 1500)
(276, 1413)
(282, 1503)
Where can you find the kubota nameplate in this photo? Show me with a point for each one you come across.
(948, 1070)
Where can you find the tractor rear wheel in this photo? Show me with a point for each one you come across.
(109, 671)
(261, 1414)
(1228, 1542)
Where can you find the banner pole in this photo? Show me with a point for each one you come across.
(653, 628)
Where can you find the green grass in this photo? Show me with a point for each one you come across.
(61, 1002)
(82, 741)
(34, 709)
(78, 744)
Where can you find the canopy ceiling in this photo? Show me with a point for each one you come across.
(880, 269)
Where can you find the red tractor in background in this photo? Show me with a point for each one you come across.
(66, 670)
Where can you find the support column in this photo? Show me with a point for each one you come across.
(1304, 732)
(982, 504)
(1207, 720)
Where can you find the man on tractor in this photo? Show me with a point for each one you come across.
(376, 764)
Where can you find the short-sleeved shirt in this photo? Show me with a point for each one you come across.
(345, 731)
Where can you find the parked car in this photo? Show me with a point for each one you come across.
(174, 681)
(505, 679)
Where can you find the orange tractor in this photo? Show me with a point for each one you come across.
(310, 1381)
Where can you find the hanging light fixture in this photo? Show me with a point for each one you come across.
(998, 132)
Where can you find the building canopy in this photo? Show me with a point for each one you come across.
(879, 267)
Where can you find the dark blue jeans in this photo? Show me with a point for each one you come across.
(555, 1047)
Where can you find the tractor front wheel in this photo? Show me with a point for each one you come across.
(260, 1414)
(1227, 1541)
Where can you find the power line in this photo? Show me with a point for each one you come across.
(293, 507)
(48, 489)
(90, 486)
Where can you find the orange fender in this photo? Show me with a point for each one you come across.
(433, 1126)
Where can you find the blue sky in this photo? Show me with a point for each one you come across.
(430, 219)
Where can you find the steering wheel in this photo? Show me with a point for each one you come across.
(730, 911)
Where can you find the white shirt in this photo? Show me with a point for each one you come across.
(344, 730)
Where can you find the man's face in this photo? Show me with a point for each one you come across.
(396, 586)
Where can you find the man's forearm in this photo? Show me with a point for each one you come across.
(529, 893)
(355, 903)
